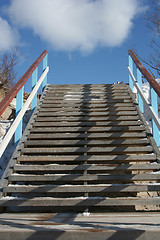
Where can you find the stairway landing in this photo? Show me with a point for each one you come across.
(108, 226)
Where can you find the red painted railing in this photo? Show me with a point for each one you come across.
(145, 73)
(13, 92)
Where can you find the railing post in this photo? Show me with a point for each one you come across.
(34, 82)
(139, 80)
(19, 105)
(154, 105)
(131, 67)
(45, 62)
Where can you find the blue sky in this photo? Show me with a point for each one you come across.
(87, 40)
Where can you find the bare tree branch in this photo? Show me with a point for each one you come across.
(153, 23)
(7, 67)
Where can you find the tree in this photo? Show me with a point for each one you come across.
(8, 61)
(153, 23)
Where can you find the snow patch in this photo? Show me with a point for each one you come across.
(86, 213)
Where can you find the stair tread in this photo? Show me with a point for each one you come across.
(88, 167)
(87, 92)
(87, 119)
(87, 86)
(88, 129)
(83, 95)
(61, 136)
(100, 123)
(80, 177)
(87, 98)
(94, 158)
(81, 201)
(82, 101)
(119, 142)
(72, 109)
(85, 105)
(111, 113)
(75, 150)
(82, 188)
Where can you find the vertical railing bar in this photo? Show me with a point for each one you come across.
(131, 67)
(45, 62)
(154, 104)
(139, 80)
(19, 105)
(34, 82)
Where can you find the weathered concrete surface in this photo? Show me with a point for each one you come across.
(110, 226)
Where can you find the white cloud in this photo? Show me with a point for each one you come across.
(8, 36)
(76, 24)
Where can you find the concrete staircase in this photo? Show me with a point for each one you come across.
(86, 148)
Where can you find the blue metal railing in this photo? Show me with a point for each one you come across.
(19, 97)
(18, 91)
(154, 92)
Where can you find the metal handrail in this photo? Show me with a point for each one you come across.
(145, 73)
(21, 108)
(154, 92)
(17, 120)
(13, 92)
(150, 108)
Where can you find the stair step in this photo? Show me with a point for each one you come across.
(105, 188)
(82, 114)
(70, 124)
(88, 150)
(87, 86)
(86, 119)
(71, 109)
(77, 202)
(85, 105)
(61, 136)
(86, 167)
(94, 89)
(119, 142)
(85, 95)
(87, 98)
(88, 129)
(86, 92)
(91, 158)
(91, 90)
(83, 101)
(103, 178)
